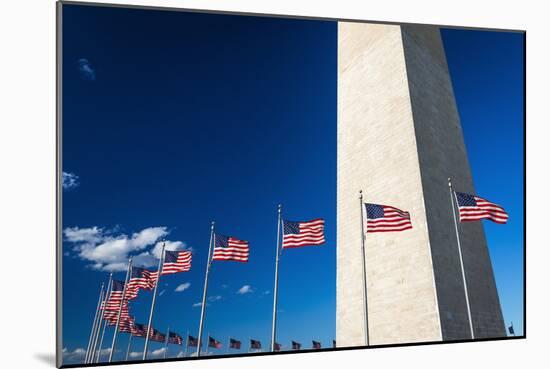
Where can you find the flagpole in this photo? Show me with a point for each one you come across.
(366, 320)
(94, 325)
(159, 270)
(120, 309)
(186, 344)
(166, 341)
(228, 343)
(97, 354)
(105, 298)
(452, 193)
(276, 287)
(205, 290)
(129, 344)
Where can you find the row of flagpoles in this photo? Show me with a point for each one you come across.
(113, 310)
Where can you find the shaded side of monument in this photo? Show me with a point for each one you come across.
(399, 139)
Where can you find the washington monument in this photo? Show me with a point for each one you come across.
(399, 140)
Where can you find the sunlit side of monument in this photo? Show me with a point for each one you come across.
(399, 139)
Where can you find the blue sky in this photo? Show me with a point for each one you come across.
(172, 120)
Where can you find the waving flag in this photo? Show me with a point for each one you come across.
(316, 345)
(230, 248)
(175, 338)
(126, 325)
(473, 208)
(140, 278)
(384, 218)
(333, 343)
(192, 341)
(139, 330)
(255, 344)
(298, 234)
(157, 336)
(296, 345)
(214, 343)
(234, 344)
(176, 262)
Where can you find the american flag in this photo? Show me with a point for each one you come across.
(126, 325)
(175, 338)
(297, 234)
(296, 345)
(140, 278)
(139, 330)
(234, 344)
(255, 344)
(316, 344)
(384, 218)
(176, 261)
(156, 335)
(112, 315)
(115, 296)
(475, 208)
(511, 330)
(230, 248)
(277, 346)
(333, 343)
(214, 343)
(192, 341)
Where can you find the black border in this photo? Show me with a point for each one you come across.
(59, 33)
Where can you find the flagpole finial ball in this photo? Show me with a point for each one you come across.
(449, 179)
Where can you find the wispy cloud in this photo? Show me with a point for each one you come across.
(182, 287)
(69, 181)
(162, 292)
(209, 299)
(266, 292)
(135, 354)
(245, 289)
(86, 70)
(157, 353)
(76, 355)
(108, 251)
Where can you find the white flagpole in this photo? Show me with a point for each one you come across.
(166, 341)
(100, 347)
(95, 324)
(205, 290)
(186, 344)
(94, 345)
(159, 270)
(120, 309)
(276, 287)
(129, 344)
(452, 193)
(228, 343)
(366, 320)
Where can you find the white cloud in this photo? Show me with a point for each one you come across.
(245, 289)
(69, 181)
(214, 298)
(267, 292)
(77, 355)
(197, 304)
(108, 251)
(162, 292)
(183, 287)
(136, 355)
(158, 352)
(88, 235)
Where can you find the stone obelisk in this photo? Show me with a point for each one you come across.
(399, 139)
